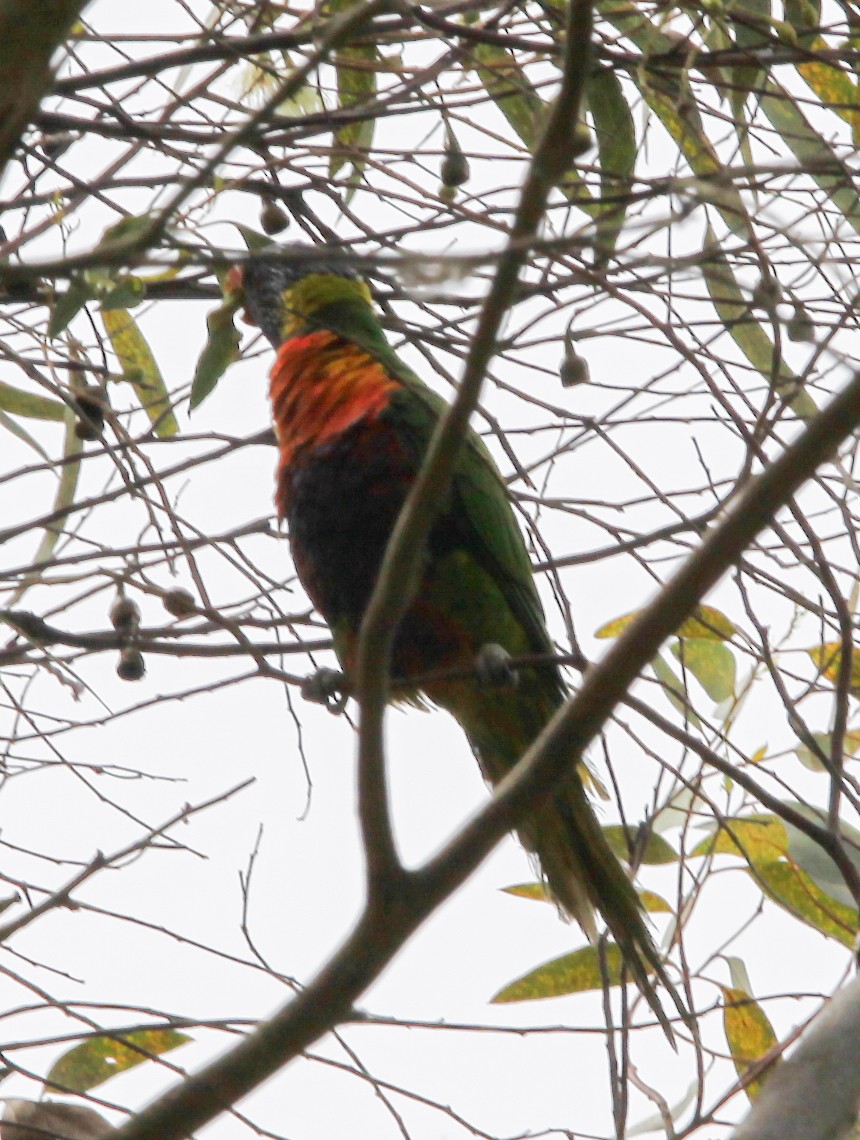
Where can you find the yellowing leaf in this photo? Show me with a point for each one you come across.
(99, 1058)
(795, 892)
(706, 623)
(140, 369)
(654, 903)
(828, 658)
(749, 1034)
(356, 66)
(712, 664)
(536, 891)
(570, 974)
(757, 838)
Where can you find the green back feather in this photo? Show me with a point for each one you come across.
(478, 497)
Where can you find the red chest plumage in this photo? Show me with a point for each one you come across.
(321, 385)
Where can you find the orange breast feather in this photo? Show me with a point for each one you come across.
(320, 386)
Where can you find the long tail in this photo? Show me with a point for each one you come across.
(579, 866)
(584, 876)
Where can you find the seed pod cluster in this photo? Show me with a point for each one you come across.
(89, 402)
(125, 618)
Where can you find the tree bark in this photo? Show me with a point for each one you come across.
(30, 34)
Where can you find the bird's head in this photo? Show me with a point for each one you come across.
(283, 292)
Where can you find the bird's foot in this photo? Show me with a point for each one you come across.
(327, 687)
(493, 667)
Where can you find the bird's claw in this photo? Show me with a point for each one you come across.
(326, 687)
(493, 667)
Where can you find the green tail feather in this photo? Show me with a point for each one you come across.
(581, 870)
(585, 876)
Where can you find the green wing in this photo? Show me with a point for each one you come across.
(479, 506)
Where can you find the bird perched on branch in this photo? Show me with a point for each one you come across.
(353, 424)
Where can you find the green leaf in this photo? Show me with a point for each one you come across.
(504, 82)
(734, 311)
(752, 30)
(124, 292)
(99, 1058)
(814, 860)
(810, 759)
(131, 230)
(712, 663)
(356, 66)
(616, 152)
(795, 892)
(749, 1034)
(671, 102)
(69, 304)
(507, 86)
(140, 369)
(69, 471)
(814, 153)
(621, 838)
(572, 973)
(674, 688)
(254, 241)
(14, 428)
(222, 348)
(30, 404)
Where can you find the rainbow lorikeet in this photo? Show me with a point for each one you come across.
(353, 424)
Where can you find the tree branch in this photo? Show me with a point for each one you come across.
(29, 35)
(401, 568)
(382, 931)
(814, 1095)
